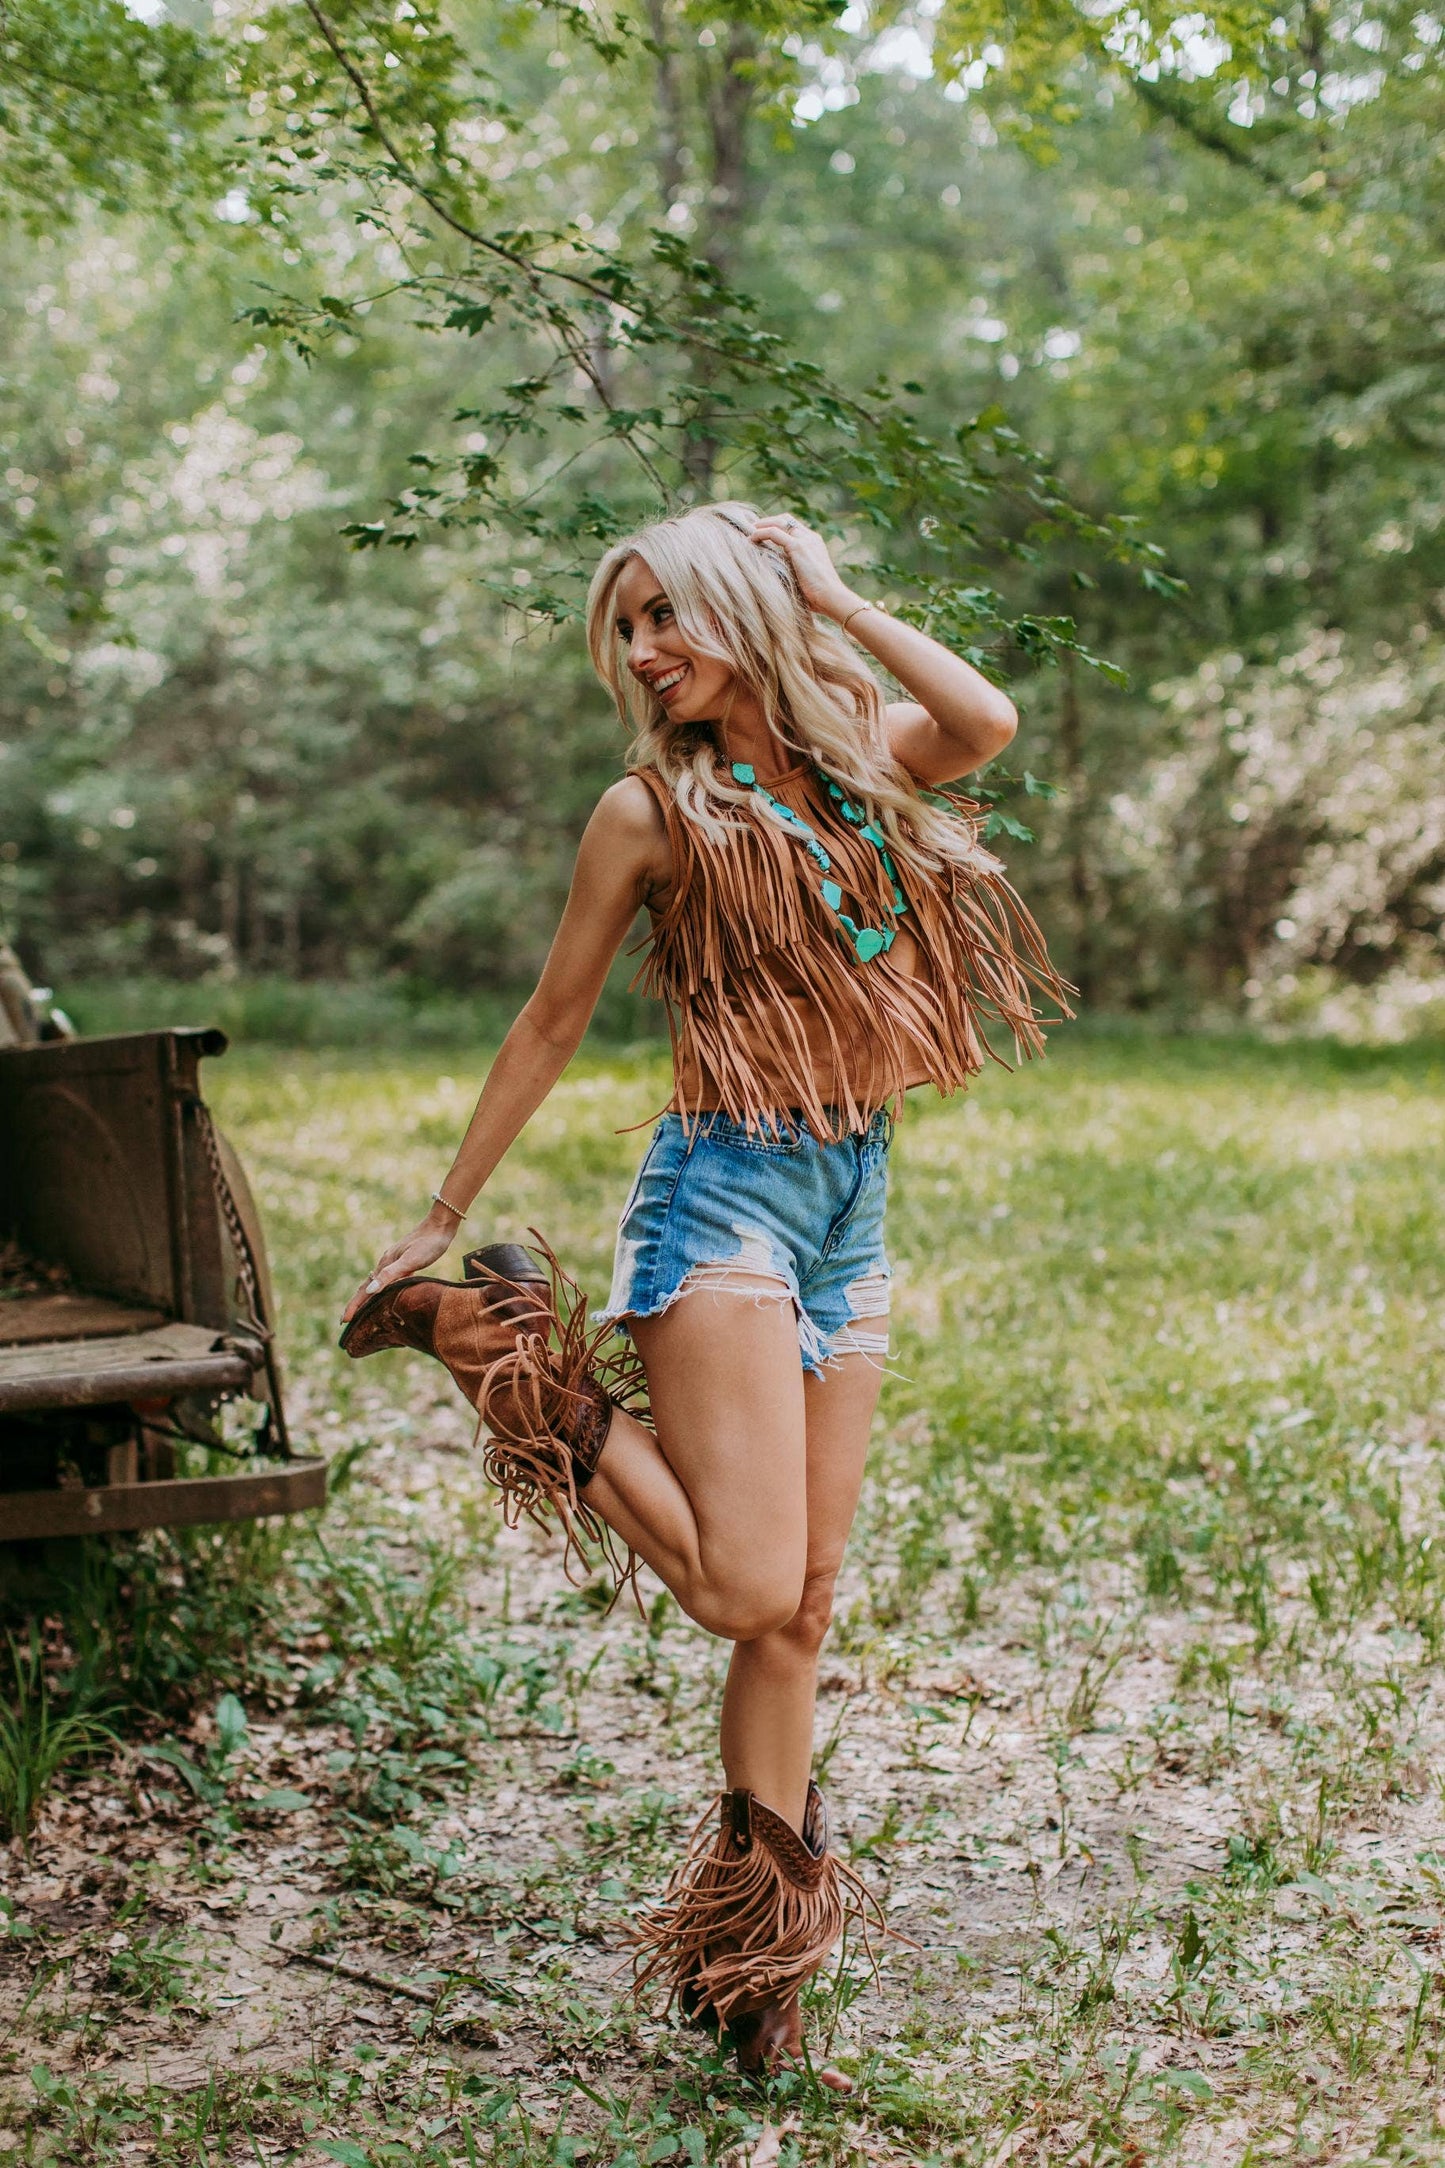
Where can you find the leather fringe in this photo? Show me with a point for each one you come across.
(550, 1379)
(737, 1928)
(746, 944)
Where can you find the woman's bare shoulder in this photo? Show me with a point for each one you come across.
(628, 820)
(630, 807)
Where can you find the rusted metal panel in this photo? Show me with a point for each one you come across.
(70, 1317)
(136, 1214)
(180, 1503)
(99, 1163)
(155, 1365)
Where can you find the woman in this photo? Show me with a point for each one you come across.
(824, 936)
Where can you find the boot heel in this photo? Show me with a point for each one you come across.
(502, 1261)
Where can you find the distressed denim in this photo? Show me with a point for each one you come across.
(762, 1214)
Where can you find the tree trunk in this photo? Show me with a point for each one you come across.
(669, 108)
(231, 907)
(1081, 881)
(291, 934)
(729, 89)
(730, 94)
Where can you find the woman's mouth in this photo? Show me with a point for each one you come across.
(667, 684)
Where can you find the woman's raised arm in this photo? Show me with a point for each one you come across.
(956, 720)
(622, 858)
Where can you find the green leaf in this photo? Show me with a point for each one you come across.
(204, 1787)
(1162, 583)
(1192, 1946)
(1192, 2082)
(231, 1725)
(1315, 1885)
(470, 317)
(1000, 823)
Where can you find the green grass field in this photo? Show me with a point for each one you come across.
(1132, 1712)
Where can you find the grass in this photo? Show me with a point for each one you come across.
(38, 1739)
(1133, 1707)
(395, 1012)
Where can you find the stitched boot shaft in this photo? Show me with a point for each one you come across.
(515, 1339)
(748, 1918)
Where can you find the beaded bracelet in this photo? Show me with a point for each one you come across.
(438, 1198)
(847, 621)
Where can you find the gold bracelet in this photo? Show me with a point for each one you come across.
(858, 612)
(438, 1198)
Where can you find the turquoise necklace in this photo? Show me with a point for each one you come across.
(868, 941)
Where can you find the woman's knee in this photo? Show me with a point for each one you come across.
(745, 1609)
(793, 1618)
(807, 1629)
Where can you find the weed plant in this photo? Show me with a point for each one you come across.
(42, 1733)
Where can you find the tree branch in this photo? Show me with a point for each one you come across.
(532, 275)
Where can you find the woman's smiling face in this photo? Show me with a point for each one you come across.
(694, 688)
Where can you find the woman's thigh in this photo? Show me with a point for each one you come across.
(772, 1459)
(725, 1381)
(839, 1407)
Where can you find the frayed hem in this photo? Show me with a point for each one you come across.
(865, 1332)
(819, 1353)
(727, 1277)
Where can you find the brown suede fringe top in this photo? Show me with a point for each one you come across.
(772, 1012)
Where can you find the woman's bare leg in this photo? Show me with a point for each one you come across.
(767, 1719)
(717, 1500)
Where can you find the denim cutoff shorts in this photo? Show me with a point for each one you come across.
(715, 1206)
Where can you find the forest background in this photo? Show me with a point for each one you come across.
(1084, 335)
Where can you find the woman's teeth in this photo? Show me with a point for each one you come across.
(673, 677)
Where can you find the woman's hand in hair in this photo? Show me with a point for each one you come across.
(820, 583)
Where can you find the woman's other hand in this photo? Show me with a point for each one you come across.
(430, 1239)
(820, 583)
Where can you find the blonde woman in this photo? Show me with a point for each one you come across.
(824, 936)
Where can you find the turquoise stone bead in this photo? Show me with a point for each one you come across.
(868, 941)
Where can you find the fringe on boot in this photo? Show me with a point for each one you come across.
(545, 1408)
(750, 1915)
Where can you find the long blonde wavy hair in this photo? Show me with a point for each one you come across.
(740, 605)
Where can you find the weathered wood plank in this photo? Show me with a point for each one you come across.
(173, 1342)
(183, 1502)
(67, 1316)
(175, 1358)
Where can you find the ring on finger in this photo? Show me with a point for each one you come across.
(372, 1286)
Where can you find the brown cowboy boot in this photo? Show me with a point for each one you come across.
(746, 1921)
(770, 2036)
(514, 1336)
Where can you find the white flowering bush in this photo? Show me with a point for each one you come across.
(1295, 833)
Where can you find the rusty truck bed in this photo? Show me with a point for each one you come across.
(126, 1229)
